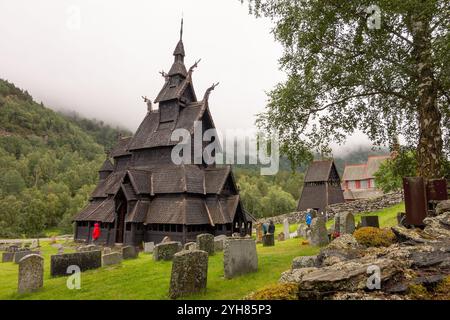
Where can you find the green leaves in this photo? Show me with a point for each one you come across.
(344, 76)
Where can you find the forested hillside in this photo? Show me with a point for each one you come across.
(48, 164)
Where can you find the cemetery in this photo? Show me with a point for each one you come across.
(312, 263)
(149, 217)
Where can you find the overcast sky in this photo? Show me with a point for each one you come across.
(98, 57)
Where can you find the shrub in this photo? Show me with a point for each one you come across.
(279, 291)
(418, 292)
(374, 237)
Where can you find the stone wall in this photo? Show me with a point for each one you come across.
(357, 206)
(366, 205)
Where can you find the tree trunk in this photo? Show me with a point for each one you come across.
(429, 149)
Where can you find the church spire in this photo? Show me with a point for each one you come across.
(178, 67)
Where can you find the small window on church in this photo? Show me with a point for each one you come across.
(179, 228)
(128, 226)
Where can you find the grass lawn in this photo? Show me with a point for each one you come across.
(144, 278)
(387, 217)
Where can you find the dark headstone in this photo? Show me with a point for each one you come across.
(13, 248)
(370, 221)
(268, 240)
(130, 252)
(189, 273)
(8, 257)
(84, 260)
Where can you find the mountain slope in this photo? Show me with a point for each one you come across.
(48, 164)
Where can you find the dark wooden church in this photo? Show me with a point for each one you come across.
(143, 196)
(322, 186)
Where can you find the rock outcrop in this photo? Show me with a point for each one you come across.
(418, 261)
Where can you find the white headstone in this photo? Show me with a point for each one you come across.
(149, 247)
(286, 228)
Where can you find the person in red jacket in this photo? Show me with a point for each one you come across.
(96, 232)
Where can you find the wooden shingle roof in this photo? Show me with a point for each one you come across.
(149, 135)
(121, 148)
(107, 166)
(98, 210)
(318, 170)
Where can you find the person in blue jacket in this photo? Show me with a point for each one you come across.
(264, 227)
(308, 218)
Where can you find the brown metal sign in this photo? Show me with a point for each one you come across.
(415, 200)
(437, 189)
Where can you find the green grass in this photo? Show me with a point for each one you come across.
(387, 217)
(144, 278)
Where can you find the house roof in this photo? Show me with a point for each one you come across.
(363, 171)
(121, 147)
(149, 135)
(98, 210)
(374, 163)
(318, 170)
(107, 166)
(354, 172)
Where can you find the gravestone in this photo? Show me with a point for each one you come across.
(8, 256)
(84, 260)
(240, 257)
(259, 232)
(190, 246)
(31, 273)
(370, 221)
(319, 233)
(149, 247)
(166, 251)
(166, 239)
(34, 244)
(189, 273)
(301, 230)
(281, 236)
(20, 254)
(205, 242)
(219, 242)
(111, 258)
(13, 248)
(286, 228)
(346, 223)
(107, 250)
(129, 252)
(268, 240)
(337, 223)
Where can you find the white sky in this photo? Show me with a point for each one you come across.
(102, 66)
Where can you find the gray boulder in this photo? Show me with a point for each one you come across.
(304, 262)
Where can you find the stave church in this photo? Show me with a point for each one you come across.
(143, 196)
